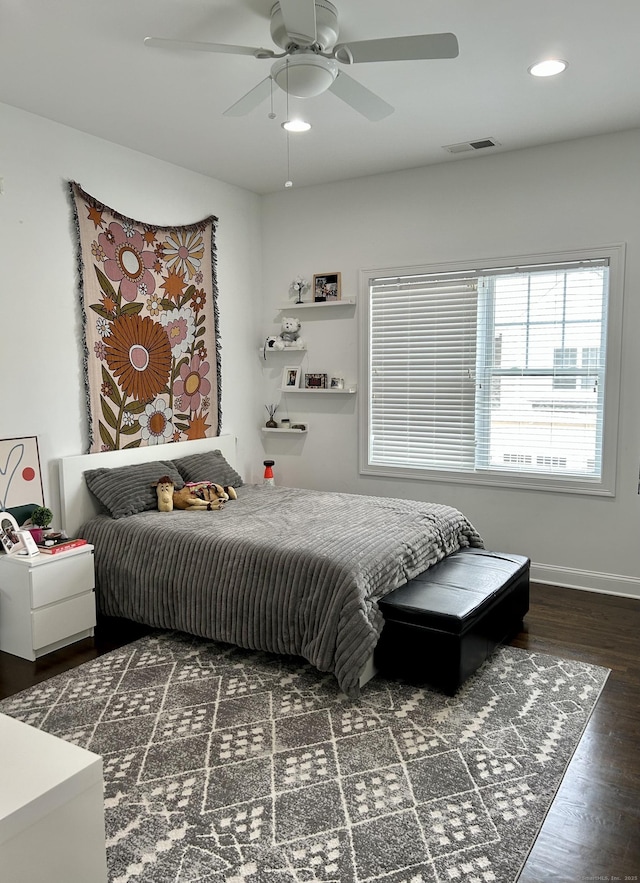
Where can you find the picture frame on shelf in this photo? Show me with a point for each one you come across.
(327, 287)
(336, 383)
(315, 381)
(291, 377)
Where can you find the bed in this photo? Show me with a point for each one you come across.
(281, 570)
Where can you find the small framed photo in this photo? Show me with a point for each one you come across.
(326, 286)
(315, 381)
(290, 378)
(337, 383)
(9, 538)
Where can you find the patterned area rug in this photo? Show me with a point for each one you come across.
(226, 766)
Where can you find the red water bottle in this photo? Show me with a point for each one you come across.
(268, 473)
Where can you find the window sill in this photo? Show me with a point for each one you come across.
(494, 480)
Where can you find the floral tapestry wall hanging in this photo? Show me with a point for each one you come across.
(150, 318)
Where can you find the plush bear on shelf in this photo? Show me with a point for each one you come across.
(289, 337)
(194, 495)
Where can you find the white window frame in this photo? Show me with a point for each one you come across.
(606, 486)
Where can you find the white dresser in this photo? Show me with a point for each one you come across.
(51, 809)
(46, 601)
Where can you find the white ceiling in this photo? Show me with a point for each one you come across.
(83, 63)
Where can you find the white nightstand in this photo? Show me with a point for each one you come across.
(46, 602)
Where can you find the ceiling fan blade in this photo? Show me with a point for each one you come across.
(418, 46)
(163, 43)
(251, 100)
(360, 98)
(299, 19)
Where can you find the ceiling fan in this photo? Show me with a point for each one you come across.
(307, 31)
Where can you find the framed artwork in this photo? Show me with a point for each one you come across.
(326, 286)
(337, 383)
(315, 381)
(20, 476)
(290, 378)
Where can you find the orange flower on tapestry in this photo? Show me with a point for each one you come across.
(150, 318)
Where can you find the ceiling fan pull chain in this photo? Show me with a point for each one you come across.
(272, 115)
(288, 182)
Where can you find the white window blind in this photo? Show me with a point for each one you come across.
(493, 371)
(422, 384)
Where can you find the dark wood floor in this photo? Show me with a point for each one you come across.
(592, 831)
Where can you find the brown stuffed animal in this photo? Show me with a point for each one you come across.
(195, 495)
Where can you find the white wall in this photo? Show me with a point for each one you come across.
(571, 195)
(40, 331)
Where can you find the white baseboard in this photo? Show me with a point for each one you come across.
(587, 580)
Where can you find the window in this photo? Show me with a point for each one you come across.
(564, 357)
(504, 374)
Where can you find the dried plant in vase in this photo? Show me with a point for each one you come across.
(271, 411)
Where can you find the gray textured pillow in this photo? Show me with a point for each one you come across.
(127, 490)
(210, 466)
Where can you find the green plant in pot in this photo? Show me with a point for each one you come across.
(41, 518)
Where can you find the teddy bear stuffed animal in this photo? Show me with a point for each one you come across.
(194, 496)
(289, 337)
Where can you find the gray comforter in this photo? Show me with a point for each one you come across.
(280, 569)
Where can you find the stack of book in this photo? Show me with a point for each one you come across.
(60, 546)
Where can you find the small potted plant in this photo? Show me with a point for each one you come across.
(41, 518)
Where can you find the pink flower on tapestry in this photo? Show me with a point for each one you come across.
(126, 261)
(192, 383)
(180, 328)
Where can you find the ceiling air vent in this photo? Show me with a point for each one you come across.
(467, 146)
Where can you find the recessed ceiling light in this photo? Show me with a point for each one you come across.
(296, 126)
(548, 68)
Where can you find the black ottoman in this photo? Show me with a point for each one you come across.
(442, 625)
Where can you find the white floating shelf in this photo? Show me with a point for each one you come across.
(289, 349)
(288, 431)
(348, 391)
(343, 302)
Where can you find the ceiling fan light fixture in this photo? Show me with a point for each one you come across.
(548, 68)
(304, 74)
(296, 126)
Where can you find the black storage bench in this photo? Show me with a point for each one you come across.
(442, 625)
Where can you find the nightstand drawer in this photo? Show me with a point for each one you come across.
(61, 578)
(51, 624)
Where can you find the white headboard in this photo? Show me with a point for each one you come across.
(78, 503)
